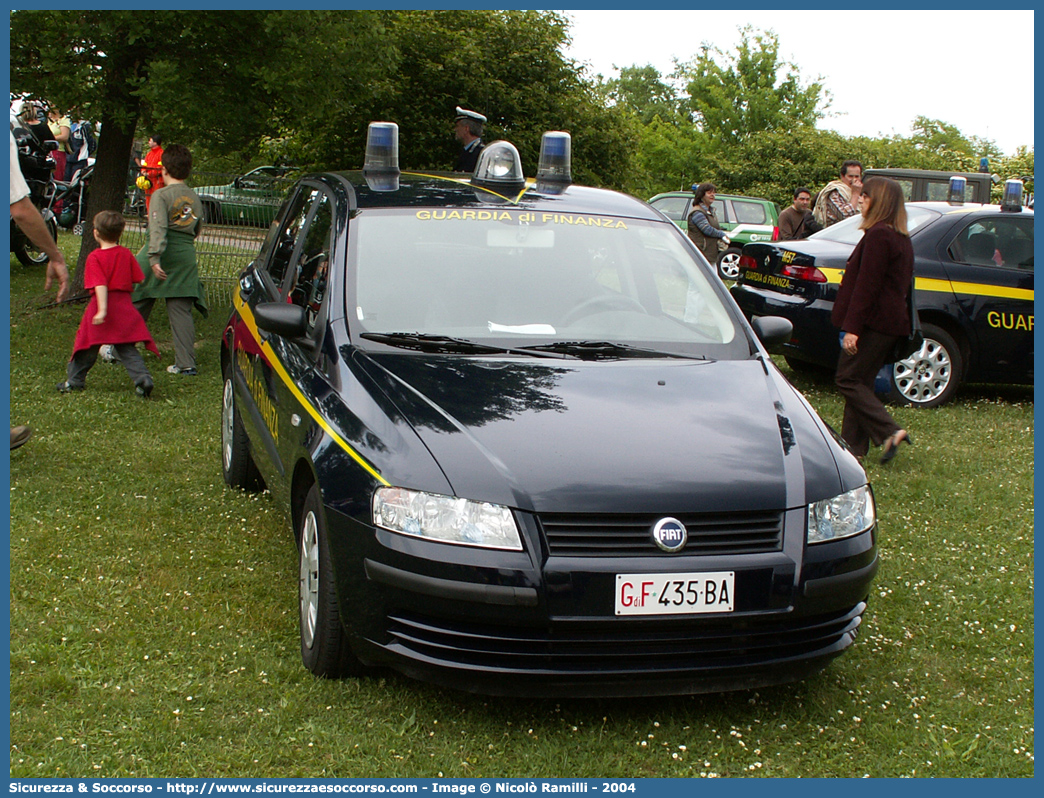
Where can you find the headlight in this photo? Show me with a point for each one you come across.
(842, 516)
(445, 518)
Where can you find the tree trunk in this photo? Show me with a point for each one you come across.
(108, 186)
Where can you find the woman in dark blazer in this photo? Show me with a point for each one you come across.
(873, 311)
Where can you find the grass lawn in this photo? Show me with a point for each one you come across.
(154, 613)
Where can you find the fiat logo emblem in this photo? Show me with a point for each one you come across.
(670, 534)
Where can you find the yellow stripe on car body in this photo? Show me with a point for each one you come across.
(248, 319)
(948, 287)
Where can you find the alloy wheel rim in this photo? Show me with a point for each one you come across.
(730, 266)
(309, 579)
(227, 415)
(926, 374)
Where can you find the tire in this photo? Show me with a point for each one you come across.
(325, 650)
(237, 466)
(29, 254)
(929, 377)
(728, 264)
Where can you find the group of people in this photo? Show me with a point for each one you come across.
(872, 308)
(838, 200)
(47, 123)
(124, 287)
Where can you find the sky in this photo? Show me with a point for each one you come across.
(872, 95)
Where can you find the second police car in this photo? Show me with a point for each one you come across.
(500, 414)
(973, 266)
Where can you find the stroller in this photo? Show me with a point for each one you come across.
(72, 196)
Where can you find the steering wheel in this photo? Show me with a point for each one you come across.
(599, 303)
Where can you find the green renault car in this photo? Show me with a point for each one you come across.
(747, 219)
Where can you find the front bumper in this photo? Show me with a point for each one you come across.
(530, 624)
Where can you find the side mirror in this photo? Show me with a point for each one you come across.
(51, 145)
(282, 318)
(772, 330)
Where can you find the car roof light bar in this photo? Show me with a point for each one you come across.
(381, 167)
(499, 167)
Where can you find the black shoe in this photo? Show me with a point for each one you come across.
(144, 388)
(891, 447)
(67, 387)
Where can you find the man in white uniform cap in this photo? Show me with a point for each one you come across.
(468, 130)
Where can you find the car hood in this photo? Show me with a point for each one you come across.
(616, 436)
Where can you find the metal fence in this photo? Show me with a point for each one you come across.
(238, 210)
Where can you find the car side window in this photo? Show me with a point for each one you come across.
(287, 237)
(672, 207)
(719, 210)
(906, 186)
(308, 282)
(939, 191)
(749, 212)
(998, 241)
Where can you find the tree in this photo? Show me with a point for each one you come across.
(643, 92)
(507, 65)
(733, 97)
(224, 78)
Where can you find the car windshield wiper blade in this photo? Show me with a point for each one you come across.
(606, 350)
(427, 342)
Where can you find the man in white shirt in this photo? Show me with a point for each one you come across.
(28, 218)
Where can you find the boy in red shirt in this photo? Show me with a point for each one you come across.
(110, 318)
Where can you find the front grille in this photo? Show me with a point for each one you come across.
(647, 646)
(630, 535)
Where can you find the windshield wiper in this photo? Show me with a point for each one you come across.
(606, 350)
(445, 344)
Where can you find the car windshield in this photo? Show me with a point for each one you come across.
(522, 278)
(847, 230)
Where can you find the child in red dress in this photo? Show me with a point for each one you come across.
(110, 318)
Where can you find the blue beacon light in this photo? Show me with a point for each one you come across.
(1012, 201)
(956, 193)
(554, 171)
(381, 167)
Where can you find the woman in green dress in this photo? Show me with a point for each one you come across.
(169, 258)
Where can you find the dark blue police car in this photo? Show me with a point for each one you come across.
(973, 266)
(501, 415)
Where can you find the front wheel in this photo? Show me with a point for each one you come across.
(325, 650)
(930, 376)
(728, 264)
(237, 466)
(29, 254)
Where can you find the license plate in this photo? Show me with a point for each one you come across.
(674, 594)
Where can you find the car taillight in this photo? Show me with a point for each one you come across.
(775, 234)
(747, 262)
(809, 273)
